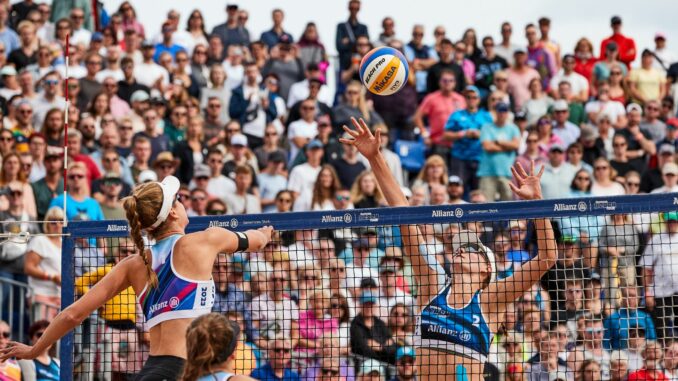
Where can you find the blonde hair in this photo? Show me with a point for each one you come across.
(433, 160)
(208, 338)
(362, 102)
(357, 194)
(142, 209)
(53, 213)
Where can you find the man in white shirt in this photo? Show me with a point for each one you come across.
(300, 90)
(80, 35)
(567, 131)
(506, 49)
(303, 176)
(660, 275)
(670, 177)
(578, 83)
(301, 131)
(558, 174)
(48, 99)
(663, 57)
(112, 66)
(218, 185)
(273, 312)
(148, 72)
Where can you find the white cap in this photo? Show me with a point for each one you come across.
(239, 140)
(170, 187)
(560, 105)
(466, 238)
(147, 175)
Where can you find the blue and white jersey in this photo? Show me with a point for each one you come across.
(463, 332)
(218, 376)
(175, 297)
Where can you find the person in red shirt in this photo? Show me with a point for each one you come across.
(584, 58)
(652, 358)
(437, 107)
(627, 47)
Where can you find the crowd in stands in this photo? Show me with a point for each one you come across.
(248, 124)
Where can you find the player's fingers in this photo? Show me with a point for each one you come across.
(377, 135)
(513, 188)
(516, 175)
(347, 141)
(541, 171)
(355, 123)
(531, 167)
(351, 132)
(521, 170)
(365, 127)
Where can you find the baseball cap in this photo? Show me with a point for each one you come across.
(315, 143)
(502, 107)
(97, 36)
(615, 20)
(8, 70)
(239, 140)
(660, 36)
(454, 179)
(405, 351)
(368, 296)
(112, 175)
(170, 186)
(560, 105)
(469, 239)
(569, 238)
(557, 147)
(634, 107)
(672, 122)
(472, 88)
(667, 148)
(201, 170)
(139, 96)
(670, 168)
(611, 46)
(53, 151)
(520, 115)
(147, 175)
(370, 366)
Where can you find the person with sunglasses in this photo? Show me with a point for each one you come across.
(278, 365)
(10, 369)
(471, 285)
(176, 272)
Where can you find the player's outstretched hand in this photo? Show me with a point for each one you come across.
(267, 231)
(529, 184)
(16, 350)
(366, 143)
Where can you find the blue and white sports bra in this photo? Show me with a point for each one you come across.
(218, 376)
(463, 332)
(175, 297)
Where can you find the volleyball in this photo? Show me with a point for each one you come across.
(384, 71)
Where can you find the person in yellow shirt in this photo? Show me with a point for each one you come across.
(120, 316)
(246, 354)
(647, 83)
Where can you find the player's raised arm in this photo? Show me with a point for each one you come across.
(424, 265)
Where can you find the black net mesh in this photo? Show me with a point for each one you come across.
(351, 302)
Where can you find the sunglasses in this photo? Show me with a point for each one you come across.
(5, 335)
(330, 372)
(6, 139)
(216, 212)
(282, 350)
(337, 269)
(183, 196)
(51, 82)
(343, 198)
(198, 199)
(619, 145)
(112, 182)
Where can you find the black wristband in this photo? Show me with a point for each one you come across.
(243, 241)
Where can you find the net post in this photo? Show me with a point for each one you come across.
(68, 103)
(67, 298)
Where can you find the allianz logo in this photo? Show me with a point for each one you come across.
(347, 218)
(117, 228)
(459, 212)
(580, 206)
(233, 223)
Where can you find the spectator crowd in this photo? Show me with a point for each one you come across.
(248, 124)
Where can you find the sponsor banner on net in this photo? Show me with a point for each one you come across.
(483, 211)
(458, 213)
(581, 206)
(604, 205)
(346, 218)
(368, 216)
(254, 222)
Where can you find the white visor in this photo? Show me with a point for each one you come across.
(170, 187)
(467, 238)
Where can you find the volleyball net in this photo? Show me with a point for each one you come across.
(335, 295)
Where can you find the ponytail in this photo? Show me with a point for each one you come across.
(210, 340)
(130, 205)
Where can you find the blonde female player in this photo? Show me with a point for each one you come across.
(458, 312)
(173, 280)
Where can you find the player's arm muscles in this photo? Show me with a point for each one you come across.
(413, 241)
(226, 241)
(110, 285)
(509, 289)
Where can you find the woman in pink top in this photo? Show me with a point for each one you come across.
(313, 324)
(546, 136)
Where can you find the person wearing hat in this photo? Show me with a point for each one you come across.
(500, 141)
(658, 270)
(455, 190)
(449, 301)
(165, 165)
(646, 82)
(463, 129)
(567, 131)
(558, 174)
(670, 178)
(625, 45)
(111, 188)
(519, 76)
(370, 336)
(148, 72)
(406, 370)
(663, 57)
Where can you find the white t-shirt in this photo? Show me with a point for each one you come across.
(661, 255)
(302, 177)
(665, 189)
(301, 128)
(300, 255)
(299, 91)
(220, 187)
(248, 204)
(613, 109)
(355, 274)
(51, 264)
(81, 36)
(615, 189)
(274, 317)
(148, 73)
(576, 80)
(234, 75)
(118, 75)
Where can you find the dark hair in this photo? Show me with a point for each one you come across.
(210, 341)
(37, 326)
(446, 41)
(544, 21)
(573, 185)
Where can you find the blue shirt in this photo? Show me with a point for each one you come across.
(10, 39)
(266, 373)
(49, 372)
(617, 327)
(497, 163)
(271, 38)
(269, 186)
(87, 207)
(462, 120)
(172, 49)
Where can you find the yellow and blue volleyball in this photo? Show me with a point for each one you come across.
(384, 71)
